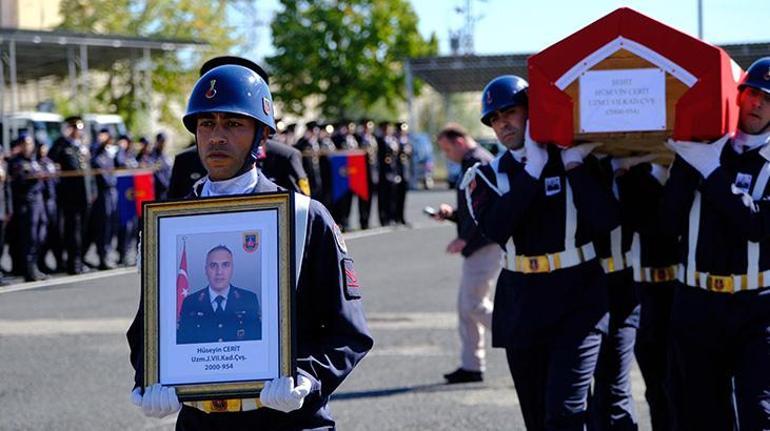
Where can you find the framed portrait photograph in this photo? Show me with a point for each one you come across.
(217, 279)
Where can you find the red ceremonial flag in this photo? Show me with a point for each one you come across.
(144, 190)
(357, 175)
(182, 284)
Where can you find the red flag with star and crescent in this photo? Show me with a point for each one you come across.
(182, 283)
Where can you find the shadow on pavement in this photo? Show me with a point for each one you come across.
(379, 393)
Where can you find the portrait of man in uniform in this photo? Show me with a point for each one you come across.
(219, 312)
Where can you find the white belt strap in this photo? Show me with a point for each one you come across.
(301, 215)
(503, 185)
(510, 255)
(753, 247)
(634, 256)
(692, 239)
(570, 218)
(471, 174)
(616, 245)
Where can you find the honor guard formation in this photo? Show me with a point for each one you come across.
(62, 199)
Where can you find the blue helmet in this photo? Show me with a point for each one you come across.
(757, 75)
(232, 89)
(503, 92)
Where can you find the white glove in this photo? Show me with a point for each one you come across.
(158, 400)
(703, 157)
(281, 394)
(659, 172)
(536, 154)
(626, 163)
(577, 153)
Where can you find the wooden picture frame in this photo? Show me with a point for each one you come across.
(242, 249)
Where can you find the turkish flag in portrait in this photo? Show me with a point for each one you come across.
(182, 283)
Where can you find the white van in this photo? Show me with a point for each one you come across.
(96, 122)
(45, 127)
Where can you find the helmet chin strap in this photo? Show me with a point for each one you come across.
(253, 156)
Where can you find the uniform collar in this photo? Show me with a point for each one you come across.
(244, 183)
(519, 154)
(213, 295)
(744, 142)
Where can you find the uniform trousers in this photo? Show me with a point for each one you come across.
(386, 202)
(722, 344)
(341, 210)
(51, 241)
(102, 215)
(612, 403)
(29, 216)
(551, 326)
(192, 419)
(400, 201)
(73, 226)
(652, 349)
(474, 306)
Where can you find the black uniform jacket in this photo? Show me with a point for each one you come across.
(240, 319)
(69, 157)
(186, 171)
(283, 165)
(641, 195)
(530, 307)
(466, 227)
(332, 334)
(606, 177)
(728, 217)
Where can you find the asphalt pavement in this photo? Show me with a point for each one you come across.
(65, 361)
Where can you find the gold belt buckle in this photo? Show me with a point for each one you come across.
(721, 284)
(534, 264)
(660, 275)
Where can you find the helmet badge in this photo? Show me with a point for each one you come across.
(767, 75)
(212, 91)
(266, 105)
(489, 97)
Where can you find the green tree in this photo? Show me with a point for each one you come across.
(172, 74)
(347, 53)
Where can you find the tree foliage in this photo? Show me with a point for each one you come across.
(348, 53)
(172, 74)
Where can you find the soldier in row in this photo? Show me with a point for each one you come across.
(387, 159)
(544, 207)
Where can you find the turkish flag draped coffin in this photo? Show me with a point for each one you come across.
(631, 82)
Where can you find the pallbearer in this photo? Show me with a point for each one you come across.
(716, 201)
(544, 207)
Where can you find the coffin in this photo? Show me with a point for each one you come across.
(631, 82)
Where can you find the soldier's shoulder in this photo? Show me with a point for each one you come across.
(318, 213)
(243, 294)
(199, 296)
